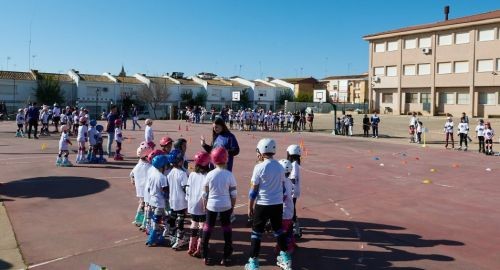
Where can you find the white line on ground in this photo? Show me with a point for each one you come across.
(239, 205)
(320, 173)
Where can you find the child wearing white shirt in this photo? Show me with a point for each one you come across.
(82, 139)
(194, 192)
(20, 123)
(91, 156)
(219, 200)
(156, 186)
(146, 223)
(148, 131)
(64, 148)
(118, 139)
(177, 182)
(489, 133)
(480, 135)
(293, 153)
(463, 129)
(138, 177)
(448, 130)
(288, 207)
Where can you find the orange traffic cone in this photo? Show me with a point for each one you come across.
(187, 129)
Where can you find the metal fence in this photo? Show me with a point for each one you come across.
(326, 107)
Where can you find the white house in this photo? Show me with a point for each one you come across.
(264, 94)
(219, 90)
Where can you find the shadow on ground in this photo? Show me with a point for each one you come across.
(55, 187)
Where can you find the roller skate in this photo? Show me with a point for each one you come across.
(252, 264)
(180, 242)
(58, 161)
(284, 261)
(139, 217)
(226, 260)
(297, 231)
(66, 163)
(118, 157)
(155, 239)
(18, 134)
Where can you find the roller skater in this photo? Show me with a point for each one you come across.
(157, 186)
(91, 156)
(82, 138)
(118, 139)
(20, 123)
(98, 145)
(294, 153)
(489, 133)
(63, 148)
(138, 177)
(288, 208)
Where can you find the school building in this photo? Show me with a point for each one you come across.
(451, 66)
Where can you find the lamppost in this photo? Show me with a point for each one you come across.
(97, 90)
(14, 94)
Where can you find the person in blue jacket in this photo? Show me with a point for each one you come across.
(222, 137)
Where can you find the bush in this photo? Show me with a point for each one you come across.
(303, 97)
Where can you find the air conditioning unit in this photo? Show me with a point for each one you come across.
(426, 50)
(376, 79)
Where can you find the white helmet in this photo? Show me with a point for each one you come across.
(266, 146)
(294, 150)
(287, 165)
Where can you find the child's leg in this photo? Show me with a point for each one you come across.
(139, 214)
(179, 224)
(193, 240)
(225, 219)
(118, 148)
(207, 231)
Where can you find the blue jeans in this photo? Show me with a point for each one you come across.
(111, 138)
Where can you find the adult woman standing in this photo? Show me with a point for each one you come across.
(135, 117)
(222, 137)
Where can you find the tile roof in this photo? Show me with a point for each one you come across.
(300, 80)
(257, 83)
(187, 81)
(468, 19)
(95, 78)
(160, 80)
(16, 75)
(346, 77)
(127, 79)
(58, 76)
(218, 82)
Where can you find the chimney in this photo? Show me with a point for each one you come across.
(446, 12)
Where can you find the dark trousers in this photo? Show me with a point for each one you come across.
(366, 130)
(375, 131)
(481, 143)
(448, 137)
(32, 124)
(463, 139)
(225, 222)
(262, 214)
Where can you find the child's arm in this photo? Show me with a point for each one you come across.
(205, 197)
(252, 196)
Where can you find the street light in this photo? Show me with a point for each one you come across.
(97, 90)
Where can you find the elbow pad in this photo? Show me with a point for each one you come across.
(233, 192)
(252, 195)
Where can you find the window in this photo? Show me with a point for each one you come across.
(498, 64)
(262, 93)
(425, 98)
(411, 98)
(484, 65)
(486, 34)
(216, 92)
(486, 98)
(462, 38)
(444, 40)
(447, 98)
(461, 67)
(444, 68)
(463, 98)
(409, 70)
(424, 69)
(392, 46)
(392, 71)
(380, 47)
(424, 42)
(410, 43)
(386, 97)
(378, 71)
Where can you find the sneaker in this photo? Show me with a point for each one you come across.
(465, 148)
(284, 261)
(252, 264)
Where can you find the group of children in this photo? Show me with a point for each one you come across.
(415, 129)
(168, 192)
(252, 120)
(484, 134)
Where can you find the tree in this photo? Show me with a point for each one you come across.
(48, 90)
(154, 95)
(245, 98)
(303, 97)
(285, 95)
(187, 97)
(200, 99)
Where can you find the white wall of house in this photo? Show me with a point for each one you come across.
(24, 93)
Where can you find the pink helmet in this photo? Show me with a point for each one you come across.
(202, 158)
(155, 153)
(219, 155)
(143, 151)
(165, 141)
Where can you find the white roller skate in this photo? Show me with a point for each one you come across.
(252, 264)
(66, 163)
(180, 241)
(284, 261)
(58, 161)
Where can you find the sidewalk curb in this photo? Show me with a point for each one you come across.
(10, 254)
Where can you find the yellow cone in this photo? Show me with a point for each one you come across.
(44, 146)
(427, 181)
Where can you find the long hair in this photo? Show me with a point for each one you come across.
(221, 123)
(201, 169)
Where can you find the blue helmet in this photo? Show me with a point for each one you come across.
(99, 128)
(159, 161)
(175, 156)
(93, 123)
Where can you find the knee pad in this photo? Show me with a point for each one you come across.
(207, 228)
(256, 235)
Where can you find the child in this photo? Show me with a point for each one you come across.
(166, 144)
(82, 138)
(118, 139)
(177, 182)
(489, 133)
(148, 131)
(480, 135)
(138, 177)
(44, 118)
(293, 154)
(194, 191)
(20, 123)
(146, 223)
(412, 126)
(91, 156)
(463, 129)
(63, 148)
(266, 202)
(98, 144)
(375, 120)
(181, 145)
(448, 130)
(419, 130)
(288, 207)
(75, 119)
(219, 200)
(156, 186)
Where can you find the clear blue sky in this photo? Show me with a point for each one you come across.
(280, 38)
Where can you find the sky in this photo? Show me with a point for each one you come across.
(252, 38)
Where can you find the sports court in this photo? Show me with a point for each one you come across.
(366, 204)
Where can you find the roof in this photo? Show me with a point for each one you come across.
(58, 76)
(187, 81)
(468, 19)
(160, 80)
(95, 78)
(219, 82)
(16, 75)
(300, 80)
(127, 79)
(257, 83)
(346, 77)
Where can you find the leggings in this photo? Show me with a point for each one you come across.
(481, 143)
(463, 138)
(449, 135)
(176, 223)
(225, 220)
(262, 214)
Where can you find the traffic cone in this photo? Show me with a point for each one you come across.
(187, 129)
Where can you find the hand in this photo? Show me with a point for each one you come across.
(250, 211)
